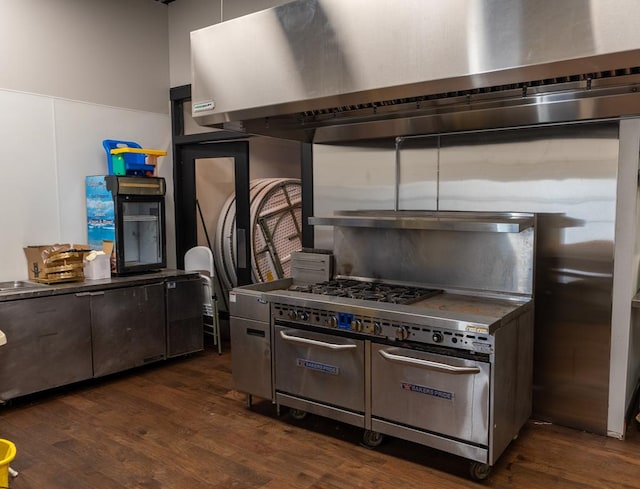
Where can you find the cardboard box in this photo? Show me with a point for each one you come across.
(36, 256)
(100, 266)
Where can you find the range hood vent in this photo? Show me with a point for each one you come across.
(327, 71)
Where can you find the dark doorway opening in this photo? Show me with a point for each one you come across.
(187, 148)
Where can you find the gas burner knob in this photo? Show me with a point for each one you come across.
(332, 322)
(402, 333)
(377, 328)
(356, 325)
(293, 314)
(437, 337)
(303, 315)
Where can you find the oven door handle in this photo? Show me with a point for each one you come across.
(438, 367)
(321, 344)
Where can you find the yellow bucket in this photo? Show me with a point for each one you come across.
(7, 454)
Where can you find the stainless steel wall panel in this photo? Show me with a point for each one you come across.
(497, 262)
(417, 173)
(351, 177)
(364, 176)
(568, 176)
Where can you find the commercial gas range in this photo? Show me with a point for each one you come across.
(442, 365)
(381, 310)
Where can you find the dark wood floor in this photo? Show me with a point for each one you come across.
(179, 425)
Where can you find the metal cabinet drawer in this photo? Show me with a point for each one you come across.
(127, 328)
(251, 357)
(48, 344)
(440, 394)
(324, 368)
(184, 316)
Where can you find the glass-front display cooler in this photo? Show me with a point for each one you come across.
(130, 212)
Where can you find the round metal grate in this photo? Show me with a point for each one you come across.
(276, 226)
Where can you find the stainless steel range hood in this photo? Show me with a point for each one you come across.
(336, 70)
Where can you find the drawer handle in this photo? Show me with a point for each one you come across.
(438, 367)
(90, 294)
(255, 332)
(321, 344)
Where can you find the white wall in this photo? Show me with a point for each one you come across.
(52, 144)
(28, 187)
(109, 52)
(80, 128)
(184, 17)
(625, 366)
(74, 72)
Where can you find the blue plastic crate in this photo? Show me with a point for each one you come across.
(126, 163)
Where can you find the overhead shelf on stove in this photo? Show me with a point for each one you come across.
(504, 222)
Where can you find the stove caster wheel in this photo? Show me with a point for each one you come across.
(372, 439)
(478, 471)
(298, 414)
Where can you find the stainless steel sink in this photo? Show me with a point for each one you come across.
(16, 285)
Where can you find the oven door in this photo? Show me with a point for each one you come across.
(318, 367)
(436, 393)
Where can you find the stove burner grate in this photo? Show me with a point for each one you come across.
(371, 291)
